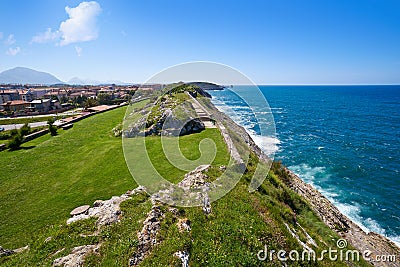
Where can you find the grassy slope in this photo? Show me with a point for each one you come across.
(189, 147)
(41, 185)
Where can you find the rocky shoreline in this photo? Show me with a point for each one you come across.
(371, 243)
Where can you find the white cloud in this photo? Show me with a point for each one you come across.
(10, 40)
(78, 50)
(13, 51)
(46, 36)
(82, 23)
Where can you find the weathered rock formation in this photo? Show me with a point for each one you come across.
(194, 185)
(184, 257)
(77, 256)
(148, 235)
(362, 241)
(107, 211)
(167, 124)
(5, 252)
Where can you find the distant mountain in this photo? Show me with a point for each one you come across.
(27, 76)
(79, 81)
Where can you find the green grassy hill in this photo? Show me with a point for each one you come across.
(41, 183)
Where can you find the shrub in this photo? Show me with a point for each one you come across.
(13, 132)
(5, 136)
(15, 141)
(52, 128)
(17, 137)
(25, 129)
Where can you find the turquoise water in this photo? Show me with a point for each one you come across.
(344, 140)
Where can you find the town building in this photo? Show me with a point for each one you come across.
(15, 105)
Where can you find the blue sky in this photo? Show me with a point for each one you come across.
(273, 42)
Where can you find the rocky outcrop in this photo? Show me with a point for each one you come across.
(322, 206)
(5, 252)
(166, 124)
(183, 225)
(195, 187)
(207, 86)
(148, 235)
(80, 210)
(170, 125)
(77, 256)
(184, 257)
(107, 211)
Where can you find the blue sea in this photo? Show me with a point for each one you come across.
(344, 140)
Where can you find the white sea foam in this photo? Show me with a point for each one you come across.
(269, 145)
(308, 173)
(240, 115)
(353, 210)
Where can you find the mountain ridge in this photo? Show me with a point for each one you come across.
(23, 75)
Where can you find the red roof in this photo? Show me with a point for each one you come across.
(15, 103)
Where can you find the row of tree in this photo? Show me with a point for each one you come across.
(101, 99)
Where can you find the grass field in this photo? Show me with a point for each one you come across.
(26, 120)
(42, 182)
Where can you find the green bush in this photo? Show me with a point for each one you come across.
(5, 136)
(52, 128)
(13, 132)
(17, 137)
(25, 129)
(15, 141)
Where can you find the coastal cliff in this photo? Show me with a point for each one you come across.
(372, 243)
(240, 228)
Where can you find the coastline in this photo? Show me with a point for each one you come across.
(376, 243)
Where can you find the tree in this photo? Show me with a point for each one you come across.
(52, 128)
(80, 100)
(104, 99)
(63, 99)
(90, 102)
(17, 137)
(15, 142)
(25, 129)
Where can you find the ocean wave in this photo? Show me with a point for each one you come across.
(240, 115)
(308, 173)
(366, 224)
(353, 211)
(269, 145)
